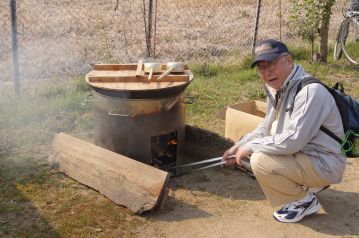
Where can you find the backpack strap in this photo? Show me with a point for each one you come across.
(339, 86)
(331, 134)
(310, 80)
(305, 82)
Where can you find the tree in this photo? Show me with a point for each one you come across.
(324, 29)
(310, 20)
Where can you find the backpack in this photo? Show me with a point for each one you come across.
(354, 5)
(349, 112)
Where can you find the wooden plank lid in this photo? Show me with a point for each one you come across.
(124, 77)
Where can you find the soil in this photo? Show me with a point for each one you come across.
(224, 202)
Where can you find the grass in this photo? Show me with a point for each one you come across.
(352, 48)
(53, 205)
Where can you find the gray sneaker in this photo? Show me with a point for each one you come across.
(296, 211)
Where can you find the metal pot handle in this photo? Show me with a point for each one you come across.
(114, 113)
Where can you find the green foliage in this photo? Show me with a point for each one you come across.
(246, 61)
(300, 54)
(305, 20)
(206, 70)
(310, 19)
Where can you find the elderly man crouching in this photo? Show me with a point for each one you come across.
(288, 150)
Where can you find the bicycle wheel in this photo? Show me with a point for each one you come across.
(350, 39)
(338, 52)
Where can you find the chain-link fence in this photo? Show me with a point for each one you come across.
(61, 38)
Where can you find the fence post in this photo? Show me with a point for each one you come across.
(280, 20)
(256, 26)
(15, 55)
(149, 27)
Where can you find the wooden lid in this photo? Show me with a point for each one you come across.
(123, 77)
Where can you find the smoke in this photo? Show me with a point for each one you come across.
(52, 58)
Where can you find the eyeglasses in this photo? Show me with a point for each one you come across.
(270, 66)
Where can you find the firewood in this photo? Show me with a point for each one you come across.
(125, 181)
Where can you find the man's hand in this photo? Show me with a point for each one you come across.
(238, 152)
(241, 153)
(228, 155)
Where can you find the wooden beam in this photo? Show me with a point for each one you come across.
(139, 67)
(115, 66)
(127, 182)
(120, 67)
(136, 79)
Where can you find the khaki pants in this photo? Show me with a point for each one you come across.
(281, 177)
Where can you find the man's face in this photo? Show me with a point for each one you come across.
(276, 72)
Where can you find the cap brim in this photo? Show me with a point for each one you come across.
(265, 57)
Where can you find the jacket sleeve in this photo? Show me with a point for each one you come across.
(311, 106)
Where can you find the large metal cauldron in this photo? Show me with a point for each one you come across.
(141, 119)
(126, 125)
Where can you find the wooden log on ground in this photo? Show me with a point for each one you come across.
(127, 182)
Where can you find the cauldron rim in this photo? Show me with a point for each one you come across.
(142, 94)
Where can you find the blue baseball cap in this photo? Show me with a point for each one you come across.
(268, 50)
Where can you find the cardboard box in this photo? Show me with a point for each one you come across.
(243, 118)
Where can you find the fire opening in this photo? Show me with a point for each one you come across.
(164, 150)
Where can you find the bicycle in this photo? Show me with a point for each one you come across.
(347, 40)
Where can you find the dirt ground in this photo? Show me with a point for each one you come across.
(224, 202)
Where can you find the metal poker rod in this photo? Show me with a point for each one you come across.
(198, 163)
(245, 164)
(199, 169)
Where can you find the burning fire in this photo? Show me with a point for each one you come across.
(172, 142)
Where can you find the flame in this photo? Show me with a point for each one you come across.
(172, 142)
